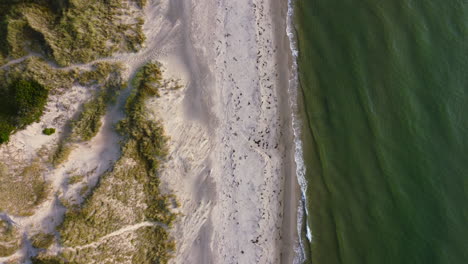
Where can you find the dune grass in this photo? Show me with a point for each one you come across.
(10, 239)
(74, 31)
(23, 191)
(128, 195)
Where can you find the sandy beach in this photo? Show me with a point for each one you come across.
(231, 153)
(231, 162)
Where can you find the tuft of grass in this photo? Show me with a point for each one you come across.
(75, 179)
(141, 3)
(148, 79)
(10, 239)
(61, 154)
(84, 190)
(42, 240)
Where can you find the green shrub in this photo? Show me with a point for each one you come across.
(48, 131)
(21, 103)
(29, 100)
(5, 131)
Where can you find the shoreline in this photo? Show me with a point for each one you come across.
(292, 194)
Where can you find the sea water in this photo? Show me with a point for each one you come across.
(384, 100)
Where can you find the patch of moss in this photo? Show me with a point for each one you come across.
(6, 128)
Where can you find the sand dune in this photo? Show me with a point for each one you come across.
(231, 158)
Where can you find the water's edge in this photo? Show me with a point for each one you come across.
(293, 91)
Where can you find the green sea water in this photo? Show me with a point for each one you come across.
(385, 102)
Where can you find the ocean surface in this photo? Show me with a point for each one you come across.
(384, 99)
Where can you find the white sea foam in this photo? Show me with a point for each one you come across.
(297, 126)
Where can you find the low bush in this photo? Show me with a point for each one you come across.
(5, 131)
(21, 103)
(48, 131)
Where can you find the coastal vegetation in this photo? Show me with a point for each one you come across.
(42, 240)
(21, 103)
(107, 80)
(23, 190)
(24, 92)
(70, 31)
(10, 239)
(127, 204)
(48, 131)
(75, 179)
